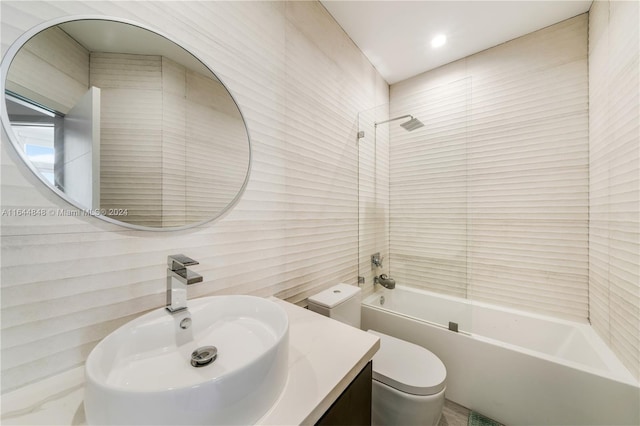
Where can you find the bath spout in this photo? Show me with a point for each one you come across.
(385, 281)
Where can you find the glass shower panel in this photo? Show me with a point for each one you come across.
(373, 193)
(413, 189)
(428, 190)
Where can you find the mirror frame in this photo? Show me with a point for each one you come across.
(8, 130)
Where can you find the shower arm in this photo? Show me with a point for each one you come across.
(393, 119)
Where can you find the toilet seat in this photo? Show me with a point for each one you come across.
(408, 367)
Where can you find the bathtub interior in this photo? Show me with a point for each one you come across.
(572, 343)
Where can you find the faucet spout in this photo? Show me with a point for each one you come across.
(385, 281)
(189, 277)
(178, 278)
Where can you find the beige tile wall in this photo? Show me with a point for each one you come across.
(174, 147)
(217, 153)
(490, 198)
(131, 132)
(614, 177)
(300, 82)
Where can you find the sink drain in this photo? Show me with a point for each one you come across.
(204, 356)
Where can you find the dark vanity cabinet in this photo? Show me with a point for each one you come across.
(353, 406)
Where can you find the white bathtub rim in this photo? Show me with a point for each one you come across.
(477, 303)
(616, 370)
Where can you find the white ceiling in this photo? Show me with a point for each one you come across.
(396, 35)
(98, 35)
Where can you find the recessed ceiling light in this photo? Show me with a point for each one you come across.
(438, 41)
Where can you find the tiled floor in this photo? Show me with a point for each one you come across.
(454, 415)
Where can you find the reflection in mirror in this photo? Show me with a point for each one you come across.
(125, 122)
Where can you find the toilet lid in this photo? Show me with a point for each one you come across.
(335, 295)
(407, 367)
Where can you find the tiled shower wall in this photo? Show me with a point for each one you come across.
(300, 82)
(490, 199)
(614, 177)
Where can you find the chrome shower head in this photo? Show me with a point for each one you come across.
(409, 126)
(412, 124)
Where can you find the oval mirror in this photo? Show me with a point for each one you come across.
(124, 123)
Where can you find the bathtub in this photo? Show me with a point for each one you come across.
(518, 368)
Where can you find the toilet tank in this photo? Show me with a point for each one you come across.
(340, 302)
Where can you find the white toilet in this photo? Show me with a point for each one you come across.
(408, 380)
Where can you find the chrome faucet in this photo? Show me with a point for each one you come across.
(385, 281)
(178, 278)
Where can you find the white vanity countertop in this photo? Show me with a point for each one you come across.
(325, 356)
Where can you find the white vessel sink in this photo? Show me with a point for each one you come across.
(142, 372)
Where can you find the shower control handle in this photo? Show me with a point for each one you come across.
(376, 260)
